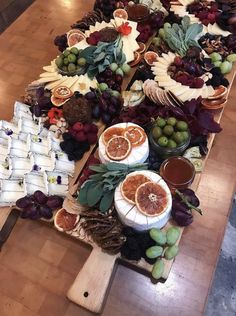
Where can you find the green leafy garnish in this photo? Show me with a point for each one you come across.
(100, 56)
(99, 189)
(181, 37)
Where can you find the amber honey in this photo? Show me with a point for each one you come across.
(178, 172)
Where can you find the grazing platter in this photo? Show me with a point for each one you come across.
(109, 143)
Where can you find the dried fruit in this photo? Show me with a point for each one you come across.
(151, 199)
(65, 221)
(135, 135)
(130, 186)
(111, 132)
(118, 148)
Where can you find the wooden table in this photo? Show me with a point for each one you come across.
(45, 263)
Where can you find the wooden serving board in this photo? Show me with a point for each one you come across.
(91, 284)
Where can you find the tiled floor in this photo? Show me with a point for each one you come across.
(222, 298)
(37, 264)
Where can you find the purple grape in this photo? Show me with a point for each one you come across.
(90, 95)
(54, 201)
(103, 105)
(106, 95)
(115, 101)
(182, 218)
(31, 212)
(96, 112)
(36, 110)
(106, 118)
(111, 83)
(112, 110)
(40, 197)
(101, 79)
(45, 211)
(24, 202)
(108, 73)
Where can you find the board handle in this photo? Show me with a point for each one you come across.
(91, 284)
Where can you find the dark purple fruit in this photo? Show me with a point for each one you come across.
(106, 118)
(40, 197)
(45, 211)
(182, 218)
(96, 112)
(24, 202)
(90, 95)
(54, 201)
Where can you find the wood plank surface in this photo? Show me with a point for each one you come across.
(44, 263)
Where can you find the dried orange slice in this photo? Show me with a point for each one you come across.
(135, 135)
(118, 148)
(65, 221)
(151, 199)
(111, 132)
(120, 13)
(74, 38)
(62, 92)
(130, 186)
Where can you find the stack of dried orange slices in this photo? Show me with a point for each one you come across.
(124, 142)
(143, 200)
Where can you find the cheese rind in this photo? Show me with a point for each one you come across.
(131, 216)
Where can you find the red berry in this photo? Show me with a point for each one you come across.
(87, 128)
(94, 128)
(205, 22)
(78, 127)
(178, 61)
(92, 138)
(81, 137)
(198, 83)
(72, 132)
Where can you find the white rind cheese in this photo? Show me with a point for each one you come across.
(138, 154)
(131, 216)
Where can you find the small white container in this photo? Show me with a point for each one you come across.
(11, 190)
(34, 181)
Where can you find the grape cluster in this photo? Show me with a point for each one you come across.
(113, 80)
(181, 212)
(217, 78)
(147, 29)
(39, 100)
(84, 132)
(106, 6)
(74, 149)
(105, 105)
(61, 42)
(39, 205)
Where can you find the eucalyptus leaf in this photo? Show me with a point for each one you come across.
(82, 197)
(98, 168)
(106, 201)
(112, 173)
(94, 193)
(96, 177)
(113, 166)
